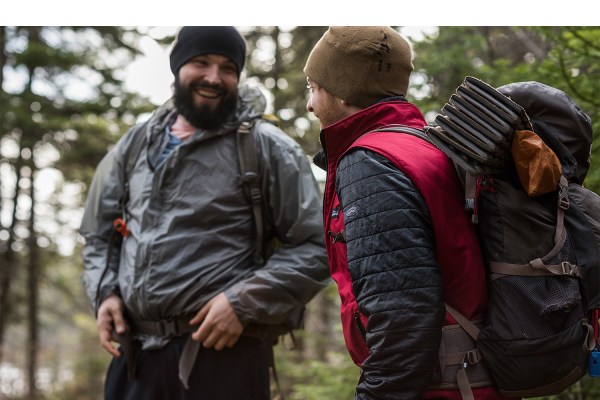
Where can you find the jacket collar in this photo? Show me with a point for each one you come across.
(249, 107)
(337, 138)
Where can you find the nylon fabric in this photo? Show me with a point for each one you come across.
(216, 217)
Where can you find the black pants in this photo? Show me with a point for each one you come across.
(239, 373)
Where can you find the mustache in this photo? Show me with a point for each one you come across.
(206, 85)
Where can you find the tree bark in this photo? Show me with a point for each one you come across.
(33, 294)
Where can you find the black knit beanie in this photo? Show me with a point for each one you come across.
(196, 40)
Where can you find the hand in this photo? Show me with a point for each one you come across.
(219, 325)
(110, 316)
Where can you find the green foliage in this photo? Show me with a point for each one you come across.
(278, 63)
(318, 380)
(586, 389)
(567, 58)
(64, 94)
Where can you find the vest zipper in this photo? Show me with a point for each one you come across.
(359, 326)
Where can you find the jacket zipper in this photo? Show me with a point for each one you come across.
(359, 326)
(337, 237)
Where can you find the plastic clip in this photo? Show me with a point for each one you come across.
(121, 227)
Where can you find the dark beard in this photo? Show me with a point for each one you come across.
(203, 117)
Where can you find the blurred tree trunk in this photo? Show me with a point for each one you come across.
(277, 69)
(8, 265)
(30, 137)
(3, 263)
(33, 273)
(58, 116)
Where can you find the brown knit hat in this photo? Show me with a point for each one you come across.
(361, 64)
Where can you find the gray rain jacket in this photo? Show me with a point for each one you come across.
(192, 230)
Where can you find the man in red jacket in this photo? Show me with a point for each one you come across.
(399, 243)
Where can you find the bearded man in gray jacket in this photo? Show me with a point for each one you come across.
(182, 288)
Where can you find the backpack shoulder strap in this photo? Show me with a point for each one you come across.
(405, 129)
(249, 171)
(131, 155)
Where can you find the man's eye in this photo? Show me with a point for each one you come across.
(230, 69)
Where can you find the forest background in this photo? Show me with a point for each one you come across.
(63, 103)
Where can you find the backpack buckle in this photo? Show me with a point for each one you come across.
(569, 269)
(472, 357)
(168, 328)
(245, 127)
(249, 177)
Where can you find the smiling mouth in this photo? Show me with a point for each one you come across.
(207, 92)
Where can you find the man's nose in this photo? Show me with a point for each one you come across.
(213, 74)
(309, 106)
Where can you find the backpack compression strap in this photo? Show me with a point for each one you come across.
(540, 266)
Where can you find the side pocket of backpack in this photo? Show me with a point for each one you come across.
(534, 339)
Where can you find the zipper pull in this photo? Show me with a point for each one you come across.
(337, 236)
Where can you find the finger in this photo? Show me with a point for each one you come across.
(211, 340)
(106, 342)
(207, 325)
(232, 341)
(111, 349)
(201, 314)
(221, 343)
(202, 332)
(119, 321)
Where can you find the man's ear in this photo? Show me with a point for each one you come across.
(349, 107)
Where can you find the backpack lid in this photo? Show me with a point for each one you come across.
(559, 121)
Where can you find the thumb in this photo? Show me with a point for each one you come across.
(119, 321)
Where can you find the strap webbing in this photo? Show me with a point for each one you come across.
(404, 129)
(463, 384)
(130, 157)
(539, 266)
(469, 358)
(467, 325)
(187, 360)
(248, 159)
(563, 205)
